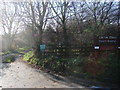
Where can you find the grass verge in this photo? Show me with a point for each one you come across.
(9, 59)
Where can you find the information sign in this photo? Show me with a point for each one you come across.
(42, 47)
(106, 43)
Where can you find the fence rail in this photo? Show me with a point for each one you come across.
(70, 51)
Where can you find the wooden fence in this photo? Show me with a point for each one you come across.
(69, 51)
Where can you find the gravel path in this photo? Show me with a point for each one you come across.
(20, 75)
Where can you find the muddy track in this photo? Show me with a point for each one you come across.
(20, 75)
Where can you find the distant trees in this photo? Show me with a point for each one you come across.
(11, 21)
(78, 22)
(71, 22)
(24, 38)
(35, 18)
(101, 13)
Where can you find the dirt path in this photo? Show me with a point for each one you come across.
(19, 75)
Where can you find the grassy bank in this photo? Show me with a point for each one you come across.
(102, 67)
(9, 59)
(19, 50)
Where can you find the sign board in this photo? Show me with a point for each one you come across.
(106, 42)
(42, 47)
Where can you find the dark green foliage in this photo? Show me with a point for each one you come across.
(27, 56)
(19, 50)
(111, 65)
(108, 65)
(9, 59)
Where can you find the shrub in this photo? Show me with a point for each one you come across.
(22, 50)
(64, 65)
(97, 65)
(111, 66)
(34, 60)
(9, 59)
(27, 56)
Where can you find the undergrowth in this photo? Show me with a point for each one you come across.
(9, 59)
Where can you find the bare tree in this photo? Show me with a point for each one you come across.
(99, 14)
(11, 21)
(35, 17)
(61, 11)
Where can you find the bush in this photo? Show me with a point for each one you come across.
(22, 50)
(104, 67)
(34, 60)
(101, 67)
(64, 65)
(27, 56)
(9, 59)
(111, 66)
(6, 52)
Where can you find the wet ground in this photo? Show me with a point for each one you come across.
(20, 75)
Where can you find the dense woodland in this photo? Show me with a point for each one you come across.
(62, 22)
(30, 24)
